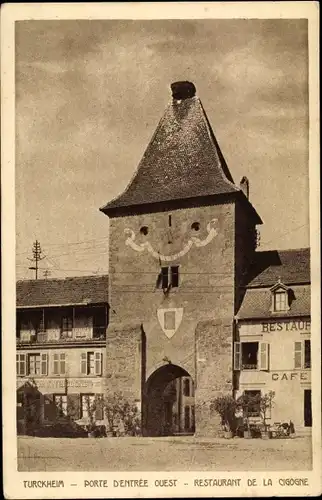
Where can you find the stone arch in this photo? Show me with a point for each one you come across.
(167, 408)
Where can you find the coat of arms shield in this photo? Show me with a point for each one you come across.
(170, 320)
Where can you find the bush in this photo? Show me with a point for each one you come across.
(225, 406)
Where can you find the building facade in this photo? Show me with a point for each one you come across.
(61, 349)
(272, 350)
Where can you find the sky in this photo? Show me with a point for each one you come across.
(89, 95)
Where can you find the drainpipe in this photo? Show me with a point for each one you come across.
(235, 330)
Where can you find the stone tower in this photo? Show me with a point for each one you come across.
(182, 236)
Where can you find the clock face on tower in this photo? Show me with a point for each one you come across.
(193, 241)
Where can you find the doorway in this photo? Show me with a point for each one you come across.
(168, 407)
(307, 408)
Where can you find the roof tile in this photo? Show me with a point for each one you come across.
(76, 290)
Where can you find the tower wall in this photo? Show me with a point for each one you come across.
(201, 345)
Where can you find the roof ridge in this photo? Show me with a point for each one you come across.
(62, 279)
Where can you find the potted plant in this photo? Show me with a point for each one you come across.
(225, 406)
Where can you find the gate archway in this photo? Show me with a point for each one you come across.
(169, 402)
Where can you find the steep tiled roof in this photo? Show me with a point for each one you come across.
(77, 290)
(290, 266)
(182, 161)
(257, 303)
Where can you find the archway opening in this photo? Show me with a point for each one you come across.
(169, 407)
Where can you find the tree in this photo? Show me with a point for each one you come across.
(225, 406)
(119, 413)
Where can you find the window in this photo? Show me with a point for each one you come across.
(302, 354)
(91, 363)
(67, 326)
(251, 406)
(37, 364)
(34, 364)
(251, 356)
(87, 403)
(186, 387)
(60, 401)
(170, 276)
(195, 226)
(60, 364)
(280, 301)
(280, 297)
(21, 364)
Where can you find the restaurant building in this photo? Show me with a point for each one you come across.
(272, 351)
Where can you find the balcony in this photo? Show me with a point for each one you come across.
(45, 337)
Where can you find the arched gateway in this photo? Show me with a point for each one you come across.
(168, 407)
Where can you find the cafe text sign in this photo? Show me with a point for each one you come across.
(287, 326)
(302, 376)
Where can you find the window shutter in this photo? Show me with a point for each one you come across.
(174, 276)
(84, 363)
(98, 363)
(44, 364)
(165, 277)
(264, 353)
(56, 367)
(62, 363)
(99, 414)
(298, 354)
(237, 356)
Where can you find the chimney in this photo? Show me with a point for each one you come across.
(244, 186)
(183, 90)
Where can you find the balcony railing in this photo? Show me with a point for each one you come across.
(98, 334)
(248, 366)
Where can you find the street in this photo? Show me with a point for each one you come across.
(163, 454)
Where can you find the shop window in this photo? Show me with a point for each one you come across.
(170, 277)
(251, 403)
(60, 401)
(60, 364)
(302, 354)
(91, 363)
(67, 327)
(87, 404)
(251, 356)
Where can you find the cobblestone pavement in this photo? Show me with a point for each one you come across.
(164, 454)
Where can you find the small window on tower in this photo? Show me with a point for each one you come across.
(164, 277)
(144, 230)
(195, 226)
(174, 276)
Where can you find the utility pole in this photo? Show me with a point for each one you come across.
(37, 257)
(46, 273)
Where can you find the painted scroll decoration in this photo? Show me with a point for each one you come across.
(170, 320)
(193, 241)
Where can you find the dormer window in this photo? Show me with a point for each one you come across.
(280, 298)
